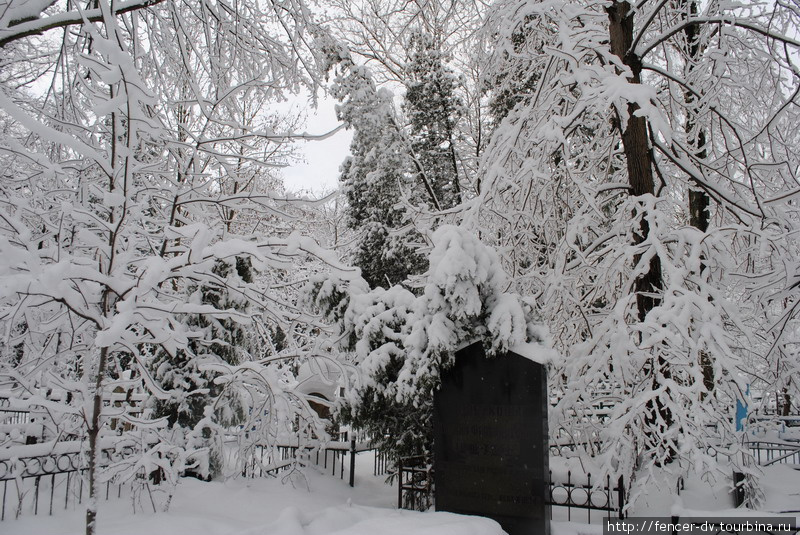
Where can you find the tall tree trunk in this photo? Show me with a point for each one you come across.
(640, 176)
(636, 148)
(785, 408)
(94, 445)
(107, 307)
(699, 200)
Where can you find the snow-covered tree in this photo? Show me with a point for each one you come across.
(387, 35)
(512, 76)
(401, 342)
(375, 178)
(395, 174)
(183, 374)
(433, 111)
(628, 116)
(130, 160)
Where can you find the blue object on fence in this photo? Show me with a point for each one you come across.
(741, 410)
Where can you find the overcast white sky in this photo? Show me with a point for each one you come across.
(323, 157)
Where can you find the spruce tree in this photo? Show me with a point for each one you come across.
(197, 406)
(390, 164)
(381, 175)
(374, 180)
(433, 111)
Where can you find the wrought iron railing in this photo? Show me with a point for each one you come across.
(767, 453)
(414, 483)
(415, 491)
(271, 460)
(588, 496)
(37, 483)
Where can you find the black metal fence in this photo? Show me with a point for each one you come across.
(765, 453)
(414, 483)
(41, 483)
(415, 491)
(583, 494)
(588, 496)
(381, 463)
(266, 461)
(27, 425)
(272, 460)
(13, 417)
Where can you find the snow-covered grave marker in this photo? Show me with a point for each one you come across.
(490, 436)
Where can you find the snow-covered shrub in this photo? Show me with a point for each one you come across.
(401, 341)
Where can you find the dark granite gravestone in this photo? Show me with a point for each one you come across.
(490, 441)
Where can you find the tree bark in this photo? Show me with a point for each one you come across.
(639, 163)
(94, 446)
(699, 200)
(637, 150)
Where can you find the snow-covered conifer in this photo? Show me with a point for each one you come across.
(402, 342)
(433, 111)
(375, 179)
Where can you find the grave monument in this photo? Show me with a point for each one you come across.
(490, 441)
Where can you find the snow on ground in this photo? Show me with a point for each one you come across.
(319, 504)
(782, 488)
(313, 504)
(713, 497)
